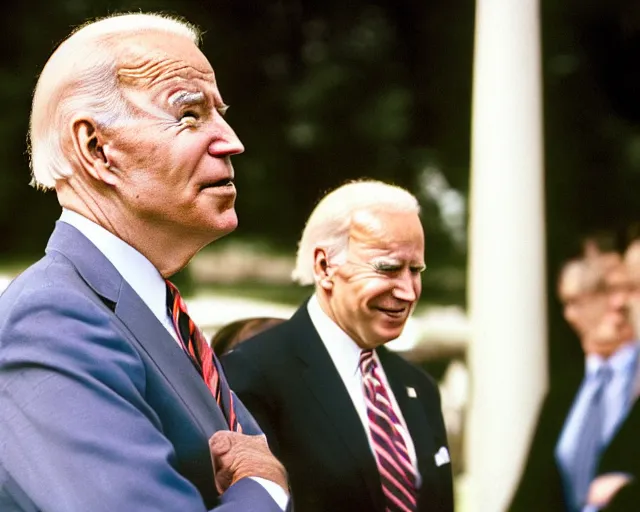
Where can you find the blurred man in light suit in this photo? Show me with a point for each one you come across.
(356, 426)
(584, 455)
(110, 398)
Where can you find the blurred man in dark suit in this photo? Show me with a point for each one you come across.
(584, 455)
(357, 427)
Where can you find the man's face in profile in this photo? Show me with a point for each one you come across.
(582, 308)
(174, 153)
(598, 310)
(614, 327)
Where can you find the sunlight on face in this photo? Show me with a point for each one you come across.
(612, 326)
(174, 156)
(376, 289)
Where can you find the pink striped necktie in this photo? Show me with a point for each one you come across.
(196, 346)
(397, 474)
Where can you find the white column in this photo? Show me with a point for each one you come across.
(506, 287)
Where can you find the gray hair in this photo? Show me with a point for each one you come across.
(81, 76)
(329, 224)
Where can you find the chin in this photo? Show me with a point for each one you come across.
(212, 229)
(225, 222)
(387, 335)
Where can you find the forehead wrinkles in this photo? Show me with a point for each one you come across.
(391, 231)
(153, 70)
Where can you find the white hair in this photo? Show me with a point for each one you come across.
(329, 224)
(81, 76)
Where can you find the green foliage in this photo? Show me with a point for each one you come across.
(320, 94)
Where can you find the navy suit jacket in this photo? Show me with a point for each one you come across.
(100, 409)
(288, 381)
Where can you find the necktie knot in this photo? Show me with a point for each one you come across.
(367, 363)
(604, 374)
(173, 297)
(197, 348)
(177, 309)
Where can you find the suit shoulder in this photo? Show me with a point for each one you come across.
(53, 274)
(266, 355)
(51, 283)
(49, 313)
(274, 339)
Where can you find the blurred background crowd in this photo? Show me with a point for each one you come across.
(323, 92)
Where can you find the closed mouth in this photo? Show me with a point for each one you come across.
(396, 313)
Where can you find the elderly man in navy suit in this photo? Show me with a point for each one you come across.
(357, 426)
(110, 398)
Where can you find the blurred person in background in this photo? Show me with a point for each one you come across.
(110, 397)
(356, 426)
(632, 261)
(231, 334)
(584, 455)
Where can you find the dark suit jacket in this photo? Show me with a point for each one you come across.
(540, 486)
(100, 409)
(286, 378)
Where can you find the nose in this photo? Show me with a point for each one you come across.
(224, 142)
(407, 287)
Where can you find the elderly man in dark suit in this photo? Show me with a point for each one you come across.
(110, 397)
(356, 426)
(584, 455)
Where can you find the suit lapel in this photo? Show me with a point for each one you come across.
(98, 272)
(169, 359)
(325, 383)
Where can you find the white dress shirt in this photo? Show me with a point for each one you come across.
(617, 397)
(345, 354)
(150, 286)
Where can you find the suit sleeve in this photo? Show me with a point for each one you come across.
(76, 432)
(249, 383)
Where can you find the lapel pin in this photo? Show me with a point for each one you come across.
(411, 392)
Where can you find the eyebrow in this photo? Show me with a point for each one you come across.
(186, 98)
(397, 263)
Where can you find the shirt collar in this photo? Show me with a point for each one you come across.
(344, 352)
(135, 268)
(622, 360)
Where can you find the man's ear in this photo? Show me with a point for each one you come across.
(89, 146)
(321, 269)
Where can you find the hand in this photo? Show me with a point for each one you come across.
(237, 456)
(604, 487)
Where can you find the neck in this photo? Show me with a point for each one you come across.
(603, 349)
(156, 243)
(323, 301)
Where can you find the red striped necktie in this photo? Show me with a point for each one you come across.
(397, 475)
(203, 358)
